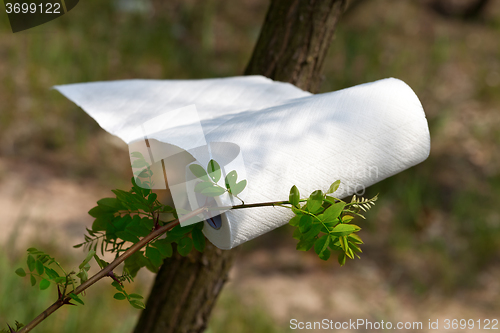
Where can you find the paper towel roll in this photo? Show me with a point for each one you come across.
(287, 137)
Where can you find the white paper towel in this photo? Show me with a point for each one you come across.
(287, 137)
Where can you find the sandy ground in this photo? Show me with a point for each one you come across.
(36, 204)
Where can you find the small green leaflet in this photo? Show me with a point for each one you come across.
(214, 171)
(119, 296)
(315, 201)
(154, 255)
(202, 185)
(213, 190)
(20, 272)
(198, 239)
(76, 298)
(184, 247)
(321, 247)
(334, 211)
(137, 304)
(294, 196)
(333, 187)
(233, 187)
(199, 172)
(89, 257)
(136, 154)
(305, 223)
(344, 229)
(44, 284)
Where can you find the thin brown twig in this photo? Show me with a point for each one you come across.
(108, 270)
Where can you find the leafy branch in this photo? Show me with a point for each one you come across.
(129, 226)
(323, 222)
(211, 176)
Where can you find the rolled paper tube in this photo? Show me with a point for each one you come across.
(285, 136)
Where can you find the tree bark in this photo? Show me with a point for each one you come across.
(294, 41)
(292, 47)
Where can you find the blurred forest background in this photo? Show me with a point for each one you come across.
(432, 245)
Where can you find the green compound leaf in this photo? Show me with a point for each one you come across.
(117, 286)
(335, 244)
(342, 259)
(354, 248)
(164, 247)
(147, 223)
(99, 211)
(353, 238)
(213, 191)
(214, 171)
(20, 272)
(343, 243)
(294, 222)
(344, 230)
(325, 255)
(101, 223)
(32, 280)
(177, 232)
(230, 179)
(334, 187)
(198, 239)
(143, 173)
(297, 234)
(137, 304)
(203, 185)
(127, 236)
(31, 263)
(347, 218)
(321, 247)
(184, 247)
(76, 298)
(39, 267)
(119, 296)
(136, 154)
(44, 284)
(135, 296)
(312, 233)
(154, 255)
(109, 204)
(199, 172)
(89, 257)
(152, 198)
(305, 223)
(294, 196)
(120, 223)
(137, 228)
(315, 201)
(139, 163)
(305, 245)
(233, 187)
(239, 187)
(334, 211)
(82, 275)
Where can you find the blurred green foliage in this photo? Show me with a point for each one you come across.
(20, 302)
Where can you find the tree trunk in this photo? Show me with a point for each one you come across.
(294, 41)
(292, 46)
